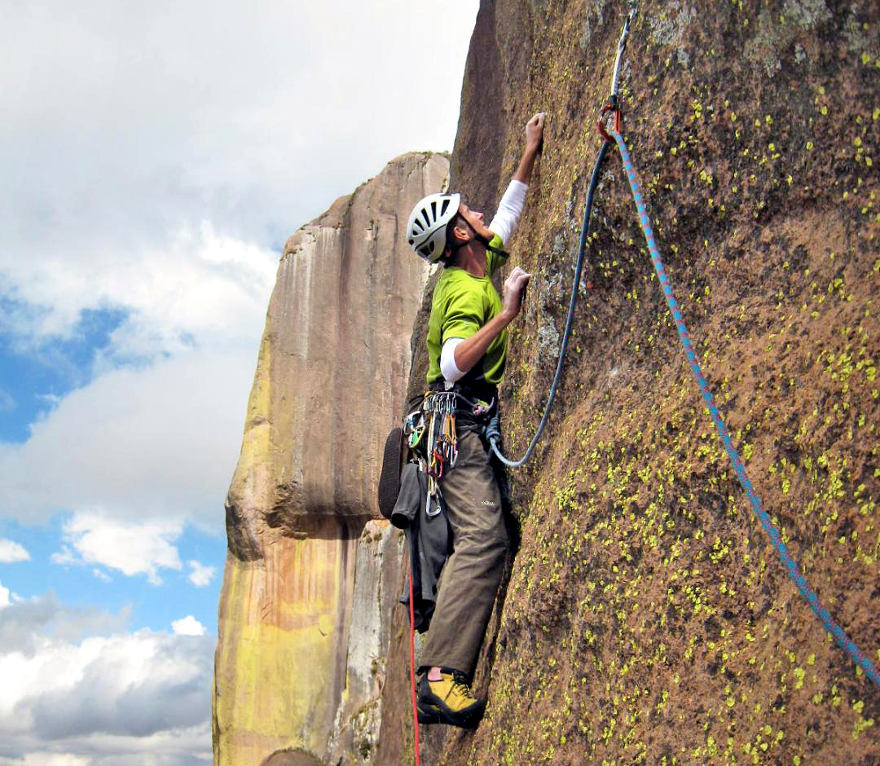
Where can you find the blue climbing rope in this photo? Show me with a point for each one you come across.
(843, 641)
(493, 432)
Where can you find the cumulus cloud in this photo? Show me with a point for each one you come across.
(26, 622)
(176, 747)
(188, 626)
(158, 179)
(145, 695)
(195, 111)
(46, 759)
(158, 442)
(143, 547)
(12, 552)
(134, 685)
(200, 575)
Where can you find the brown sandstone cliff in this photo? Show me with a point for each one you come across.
(309, 580)
(647, 619)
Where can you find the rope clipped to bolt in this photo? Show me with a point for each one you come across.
(493, 431)
(611, 113)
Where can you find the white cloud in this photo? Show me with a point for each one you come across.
(143, 547)
(158, 442)
(158, 178)
(26, 622)
(7, 403)
(185, 746)
(188, 626)
(65, 557)
(47, 759)
(12, 552)
(200, 575)
(141, 698)
(254, 120)
(200, 288)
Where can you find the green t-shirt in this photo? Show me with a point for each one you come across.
(461, 305)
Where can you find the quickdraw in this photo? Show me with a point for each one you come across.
(442, 444)
(432, 439)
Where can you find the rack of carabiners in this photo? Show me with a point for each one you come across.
(431, 436)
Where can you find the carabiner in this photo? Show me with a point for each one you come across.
(601, 122)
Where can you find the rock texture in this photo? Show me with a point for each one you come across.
(647, 618)
(308, 580)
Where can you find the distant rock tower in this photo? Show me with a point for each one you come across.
(310, 578)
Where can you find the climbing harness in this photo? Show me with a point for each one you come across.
(794, 572)
(493, 433)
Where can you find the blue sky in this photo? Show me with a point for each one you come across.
(147, 603)
(155, 158)
(33, 380)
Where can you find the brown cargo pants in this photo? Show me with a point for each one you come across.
(470, 577)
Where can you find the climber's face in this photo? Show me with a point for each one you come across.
(475, 221)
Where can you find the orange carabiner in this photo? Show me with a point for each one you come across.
(601, 122)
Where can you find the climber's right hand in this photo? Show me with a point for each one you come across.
(535, 132)
(514, 291)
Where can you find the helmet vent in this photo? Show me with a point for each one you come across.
(445, 205)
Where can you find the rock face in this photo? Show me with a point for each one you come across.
(309, 579)
(647, 619)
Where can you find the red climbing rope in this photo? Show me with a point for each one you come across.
(412, 668)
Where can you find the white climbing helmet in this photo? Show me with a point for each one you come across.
(426, 228)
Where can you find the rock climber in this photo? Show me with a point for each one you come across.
(467, 347)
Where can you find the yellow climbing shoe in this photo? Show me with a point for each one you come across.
(449, 701)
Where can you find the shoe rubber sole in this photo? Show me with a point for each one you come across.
(465, 720)
(427, 716)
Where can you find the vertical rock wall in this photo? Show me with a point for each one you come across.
(647, 619)
(308, 580)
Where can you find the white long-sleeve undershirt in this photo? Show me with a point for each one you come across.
(510, 208)
(448, 367)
